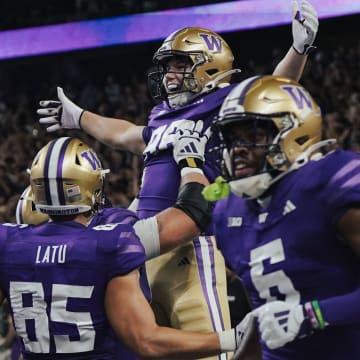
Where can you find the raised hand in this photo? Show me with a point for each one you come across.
(304, 26)
(59, 114)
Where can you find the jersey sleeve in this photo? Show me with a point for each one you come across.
(121, 249)
(221, 232)
(114, 215)
(146, 134)
(3, 235)
(341, 177)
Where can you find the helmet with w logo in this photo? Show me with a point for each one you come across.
(67, 178)
(276, 109)
(210, 56)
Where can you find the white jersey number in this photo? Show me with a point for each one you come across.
(163, 136)
(35, 311)
(274, 253)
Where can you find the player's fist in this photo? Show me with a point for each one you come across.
(189, 145)
(304, 26)
(280, 323)
(59, 114)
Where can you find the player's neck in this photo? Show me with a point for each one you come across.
(82, 219)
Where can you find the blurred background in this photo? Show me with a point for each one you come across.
(100, 50)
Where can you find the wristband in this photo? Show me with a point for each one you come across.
(227, 340)
(308, 49)
(315, 315)
(191, 163)
(192, 203)
(187, 170)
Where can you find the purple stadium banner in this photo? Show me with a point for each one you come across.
(221, 17)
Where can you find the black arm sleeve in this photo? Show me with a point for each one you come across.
(193, 204)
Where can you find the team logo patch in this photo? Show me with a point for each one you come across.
(300, 97)
(212, 42)
(234, 221)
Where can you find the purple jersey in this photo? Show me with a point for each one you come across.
(123, 216)
(290, 249)
(161, 178)
(55, 276)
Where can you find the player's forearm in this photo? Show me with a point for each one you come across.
(291, 66)
(117, 133)
(167, 342)
(175, 229)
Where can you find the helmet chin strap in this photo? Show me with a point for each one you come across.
(184, 97)
(251, 187)
(180, 99)
(254, 186)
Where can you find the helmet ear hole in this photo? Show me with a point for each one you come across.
(211, 72)
(77, 160)
(302, 140)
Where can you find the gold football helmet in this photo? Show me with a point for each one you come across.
(210, 56)
(67, 178)
(26, 212)
(289, 114)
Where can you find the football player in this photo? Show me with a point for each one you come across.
(291, 226)
(73, 281)
(26, 212)
(194, 70)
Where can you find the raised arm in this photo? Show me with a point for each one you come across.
(304, 28)
(64, 114)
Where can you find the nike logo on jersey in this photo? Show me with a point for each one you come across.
(289, 207)
(234, 221)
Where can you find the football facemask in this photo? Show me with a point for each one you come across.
(211, 62)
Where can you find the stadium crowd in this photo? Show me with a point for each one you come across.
(330, 74)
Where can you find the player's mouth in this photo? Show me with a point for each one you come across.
(242, 168)
(172, 87)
